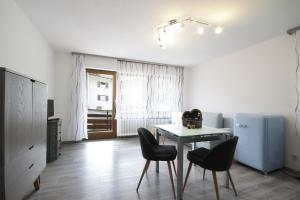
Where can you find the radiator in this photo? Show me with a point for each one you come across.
(129, 127)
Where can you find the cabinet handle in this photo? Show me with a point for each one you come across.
(31, 147)
(30, 166)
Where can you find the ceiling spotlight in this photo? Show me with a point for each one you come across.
(200, 30)
(218, 30)
(163, 35)
(178, 27)
(162, 46)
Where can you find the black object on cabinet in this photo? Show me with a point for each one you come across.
(23, 110)
(50, 108)
(53, 139)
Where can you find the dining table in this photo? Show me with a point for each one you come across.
(183, 135)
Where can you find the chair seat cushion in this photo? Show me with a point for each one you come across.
(164, 152)
(197, 156)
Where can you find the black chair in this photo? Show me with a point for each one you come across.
(152, 151)
(217, 159)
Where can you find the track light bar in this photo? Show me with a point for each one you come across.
(175, 25)
(175, 21)
(293, 30)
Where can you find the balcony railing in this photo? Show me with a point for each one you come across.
(99, 121)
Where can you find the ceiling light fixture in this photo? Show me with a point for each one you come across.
(176, 26)
(161, 43)
(218, 30)
(200, 30)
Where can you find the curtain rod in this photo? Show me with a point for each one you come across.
(124, 59)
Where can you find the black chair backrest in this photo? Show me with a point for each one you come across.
(147, 142)
(221, 156)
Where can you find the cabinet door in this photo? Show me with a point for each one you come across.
(18, 116)
(2, 84)
(39, 118)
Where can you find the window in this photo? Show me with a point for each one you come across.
(100, 91)
(101, 84)
(102, 97)
(149, 91)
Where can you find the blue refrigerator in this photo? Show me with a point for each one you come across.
(261, 141)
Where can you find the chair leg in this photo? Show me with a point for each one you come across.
(147, 167)
(174, 167)
(193, 145)
(203, 173)
(216, 184)
(171, 177)
(187, 176)
(143, 173)
(231, 181)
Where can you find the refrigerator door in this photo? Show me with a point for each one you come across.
(250, 148)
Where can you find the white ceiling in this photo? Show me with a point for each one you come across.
(126, 28)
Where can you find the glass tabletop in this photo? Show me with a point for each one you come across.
(181, 131)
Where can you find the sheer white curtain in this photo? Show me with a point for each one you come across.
(148, 94)
(77, 126)
(297, 107)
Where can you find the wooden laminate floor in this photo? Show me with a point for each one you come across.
(110, 170)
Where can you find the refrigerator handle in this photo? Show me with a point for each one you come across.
(241, 125)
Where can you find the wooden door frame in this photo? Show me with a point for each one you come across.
(113, 134)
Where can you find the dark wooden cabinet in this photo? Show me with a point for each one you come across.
(53, 139)
(23, 108)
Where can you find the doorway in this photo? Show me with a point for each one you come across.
(101, 89)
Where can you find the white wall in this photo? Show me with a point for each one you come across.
(22, 48)
(259, 79)
(63, 63)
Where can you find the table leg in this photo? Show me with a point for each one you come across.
(179, 168)
(157, 162)
(193, 145)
